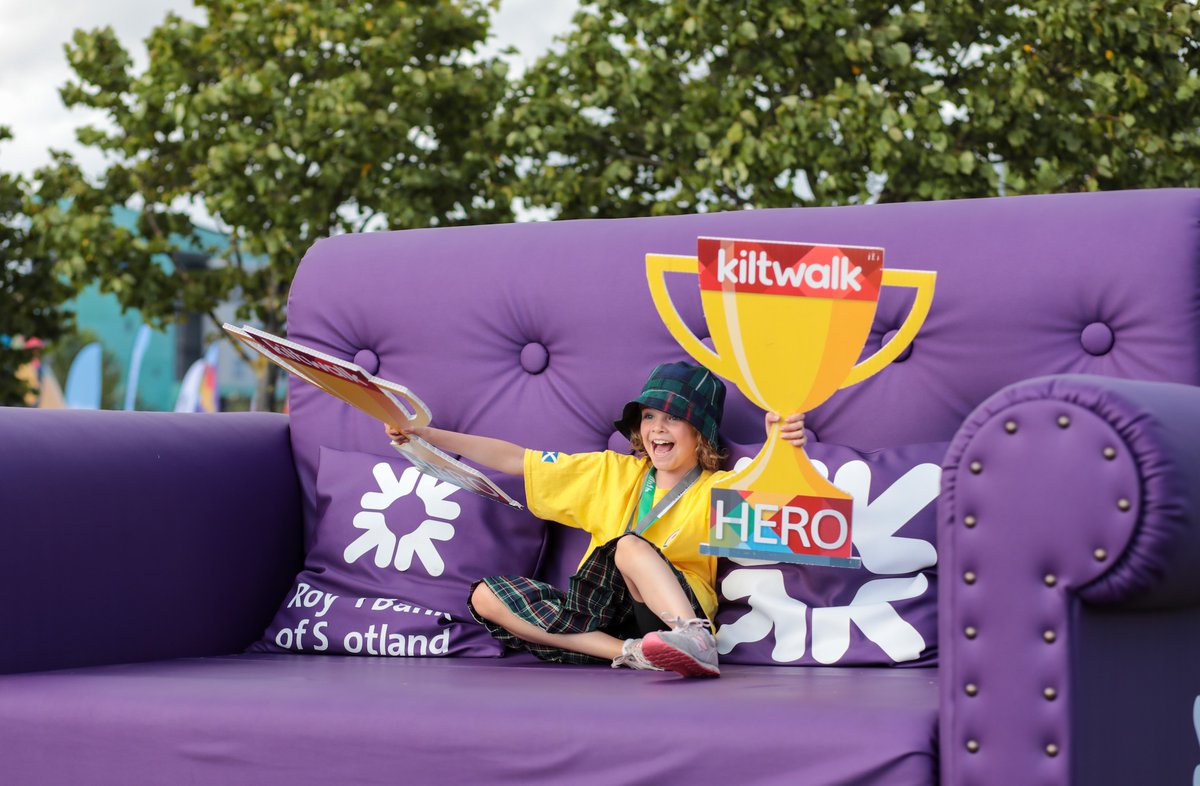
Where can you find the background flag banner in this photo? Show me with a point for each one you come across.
(50, 395)
(189, 389)
(83, 379)
(198, 391)
(209, 399)
(141, 342)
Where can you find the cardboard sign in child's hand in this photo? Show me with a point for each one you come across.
(393, 404)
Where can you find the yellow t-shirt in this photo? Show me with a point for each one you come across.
(597, 492)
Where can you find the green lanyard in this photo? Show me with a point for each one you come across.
(647, 513)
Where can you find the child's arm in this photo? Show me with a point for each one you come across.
(494, 453)
(791, 430)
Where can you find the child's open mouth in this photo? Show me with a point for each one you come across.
(660, 448)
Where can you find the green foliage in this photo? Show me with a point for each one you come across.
(286, 122)
(1083, 95)
(289, 121)
(31, 294)
(669, 106)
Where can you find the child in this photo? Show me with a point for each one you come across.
(644, 595)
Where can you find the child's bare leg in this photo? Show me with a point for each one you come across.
(596, 643)
(650, 579)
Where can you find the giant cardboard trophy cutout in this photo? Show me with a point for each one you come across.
(787, 321)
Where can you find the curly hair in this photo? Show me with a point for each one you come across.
(709, 456)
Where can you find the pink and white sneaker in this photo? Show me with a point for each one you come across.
(689, 648)
(631, 657)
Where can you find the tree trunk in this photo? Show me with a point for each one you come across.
(265, 391)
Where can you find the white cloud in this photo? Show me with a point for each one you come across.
(33, 66)
(530, 26)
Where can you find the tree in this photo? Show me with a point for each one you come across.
(668, 106)
(1080, 95)
(286, 122)
(31, 293)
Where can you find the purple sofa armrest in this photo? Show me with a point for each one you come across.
(1069, 609)
(138, 536)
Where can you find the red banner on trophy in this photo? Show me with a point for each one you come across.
(800, 269)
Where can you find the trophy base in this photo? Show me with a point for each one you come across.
(781, 556)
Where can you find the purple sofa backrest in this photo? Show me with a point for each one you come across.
(537, 333)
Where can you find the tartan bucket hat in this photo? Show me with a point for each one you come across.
(686, 391)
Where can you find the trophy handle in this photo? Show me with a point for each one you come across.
(920, 280)
(657, 266)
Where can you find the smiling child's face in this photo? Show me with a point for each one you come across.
(670, 442)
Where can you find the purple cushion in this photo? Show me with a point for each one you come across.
(884, 613)
(393, 559)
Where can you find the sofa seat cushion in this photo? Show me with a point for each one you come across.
(300, 719)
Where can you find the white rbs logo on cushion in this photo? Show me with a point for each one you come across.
(882, 552)
(421, 543)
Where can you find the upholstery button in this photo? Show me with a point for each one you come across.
(1050, 694)
(970, 632)
(368, 360)
(903, 356)
(1100, 555)
(1050, 636)
(1052, 749)
(1110, 453)
(1011, 427)
(1097, 338)
(1063, 421)
(971, 689)
(535, 357)
(973, 746)
(969, 521)
(976, 467)
(1124, 504)
(969, 577)
(1050, 579)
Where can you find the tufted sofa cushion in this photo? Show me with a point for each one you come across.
(545, 354)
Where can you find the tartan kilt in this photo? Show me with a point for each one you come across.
(596, 599)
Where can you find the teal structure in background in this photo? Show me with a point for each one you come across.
(170, 350)
(100, 315)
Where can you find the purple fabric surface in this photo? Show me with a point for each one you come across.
(276, 719)
(131, 537)
(136, 536)
(1020, 280)
(1155, 737)
(1060, 492)
(884, 613)
(393, 560)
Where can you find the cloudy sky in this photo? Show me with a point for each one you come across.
(33, 66)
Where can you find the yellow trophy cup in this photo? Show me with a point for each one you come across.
(787, 321)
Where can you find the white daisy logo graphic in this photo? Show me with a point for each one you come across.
(883, 553)
(420, 544)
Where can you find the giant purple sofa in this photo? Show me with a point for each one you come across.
(1059, 368)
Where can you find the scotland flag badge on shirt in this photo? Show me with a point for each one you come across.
(549, 456)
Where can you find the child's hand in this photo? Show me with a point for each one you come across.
(791, 430)
(396, 435)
